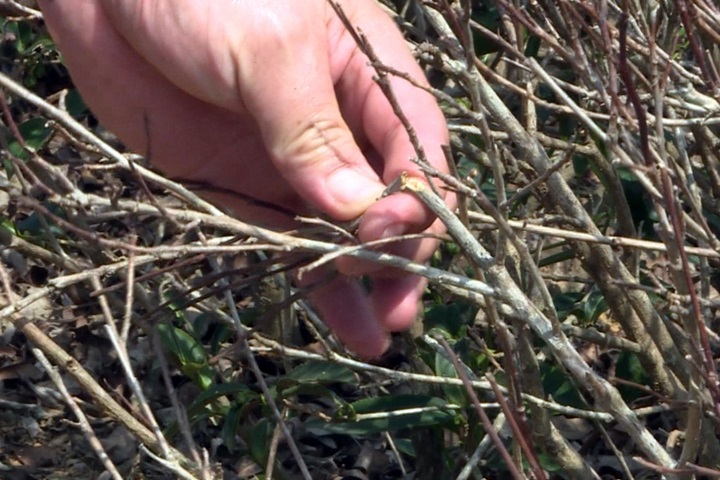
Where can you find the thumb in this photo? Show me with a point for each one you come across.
(316, 153)
(274, 56)
(310, 143)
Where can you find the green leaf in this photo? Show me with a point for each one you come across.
(388, 403)
(34, 226)
(75, 105)
(712, 218)
(211, 403)
(565, 303)
(239, 393)
(8, 166)
(35, 132)
(287, 388)
(7, 226)
(188, 352)
(405, 446)
(549, 464)
(185, 348)
(532, 46)
(22, 33)
(444, 368)
(176, 301)
(230, 426)
(628, 367)
(557, 258)
(259, 440)
(42, 44)
(322, 372)
(641, 208)
(486, 14)
(451, 318)
(556, 383)
(394, 418)
(581, 164)
(221, 334)
(594, 305)
(452, 248)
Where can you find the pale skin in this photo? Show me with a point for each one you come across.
(271, 100)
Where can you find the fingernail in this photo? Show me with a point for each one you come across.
(350, 187)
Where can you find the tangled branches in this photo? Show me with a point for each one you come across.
(585, 137)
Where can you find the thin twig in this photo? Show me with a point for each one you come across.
(85, 426)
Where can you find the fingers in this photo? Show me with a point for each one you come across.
(270, 62)
(86, 38)
(384, 130)
(312, 146)
(361, 323)
(315, 152)
(396, 300)
(417, 249)
(189, 138)
(392, 217)
(230, 81)
(194, 44)
(346, 310)
(133, 99)
(400, 213)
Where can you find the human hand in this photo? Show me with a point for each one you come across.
(271, 100)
